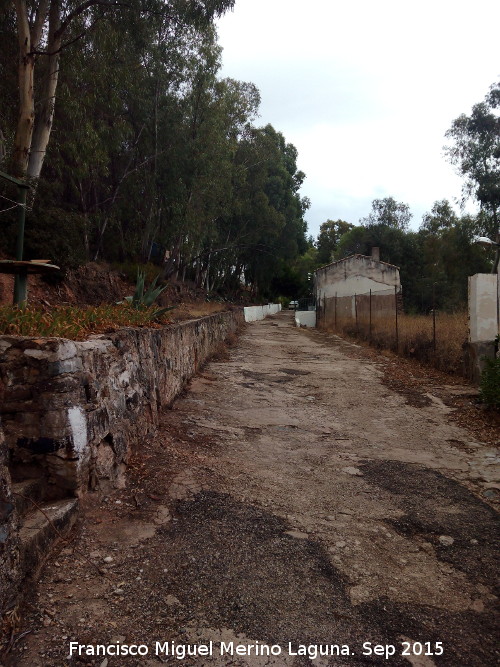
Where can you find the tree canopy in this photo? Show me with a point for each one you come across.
(140, 151)
(389, 213)
(329, 236)
(475, 150)
(151, 154)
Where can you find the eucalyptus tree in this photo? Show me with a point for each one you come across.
(46, 29)
(103, 159)
(449, 255)
(329, 236)
(475, 150)
(269, 211)
(151, 146)
(389, 213)
(213, 116)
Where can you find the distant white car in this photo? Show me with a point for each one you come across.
(293, 305)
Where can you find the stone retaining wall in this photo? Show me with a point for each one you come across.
(71, 412)
(9, 539)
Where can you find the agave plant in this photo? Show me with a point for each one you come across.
(145, 298)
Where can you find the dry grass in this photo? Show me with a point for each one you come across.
(415, 337)
(198, 309)
(73, 322)
(76, 323)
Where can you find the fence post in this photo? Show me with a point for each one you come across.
(434, 318)
(396, 312)
(370, 323)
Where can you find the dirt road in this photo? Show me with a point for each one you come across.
(295, 505)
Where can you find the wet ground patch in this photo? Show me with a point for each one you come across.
(236, 563)
(239, 567)
(414, 396)
(467, 638)
(438, 508)
(266, 378)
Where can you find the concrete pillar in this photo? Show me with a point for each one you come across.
(483, 307)
(484, 323)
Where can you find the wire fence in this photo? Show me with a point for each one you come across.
(377, 316)
(307, 303)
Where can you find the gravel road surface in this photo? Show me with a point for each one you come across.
(292, 510)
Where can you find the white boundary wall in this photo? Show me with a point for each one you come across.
(305, 318)
(254, 313)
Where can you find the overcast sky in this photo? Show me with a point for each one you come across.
(365, 91)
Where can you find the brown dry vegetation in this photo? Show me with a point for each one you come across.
(197, 309)
(73, 322)
(415, 337)
(84, 302)
(76, 323)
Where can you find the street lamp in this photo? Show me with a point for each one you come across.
(488, 243)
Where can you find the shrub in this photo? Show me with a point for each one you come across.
(285, 301)
(489, 389)
(144, 298)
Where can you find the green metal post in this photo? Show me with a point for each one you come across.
(21, 280)
(497, 256)
(396, 314)
(370, 324)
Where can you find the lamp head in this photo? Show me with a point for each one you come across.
(485, 241)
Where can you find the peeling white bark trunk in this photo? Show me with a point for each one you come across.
(33, 130)
(45, 115)
(44, 122)
(26, 66)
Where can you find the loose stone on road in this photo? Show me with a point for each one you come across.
(290, 499)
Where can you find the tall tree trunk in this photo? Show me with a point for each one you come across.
(25, 73)
(86, 223)
(45, 115)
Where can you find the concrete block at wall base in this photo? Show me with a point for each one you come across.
(305, 318)
(474, 358)
(41, 530)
